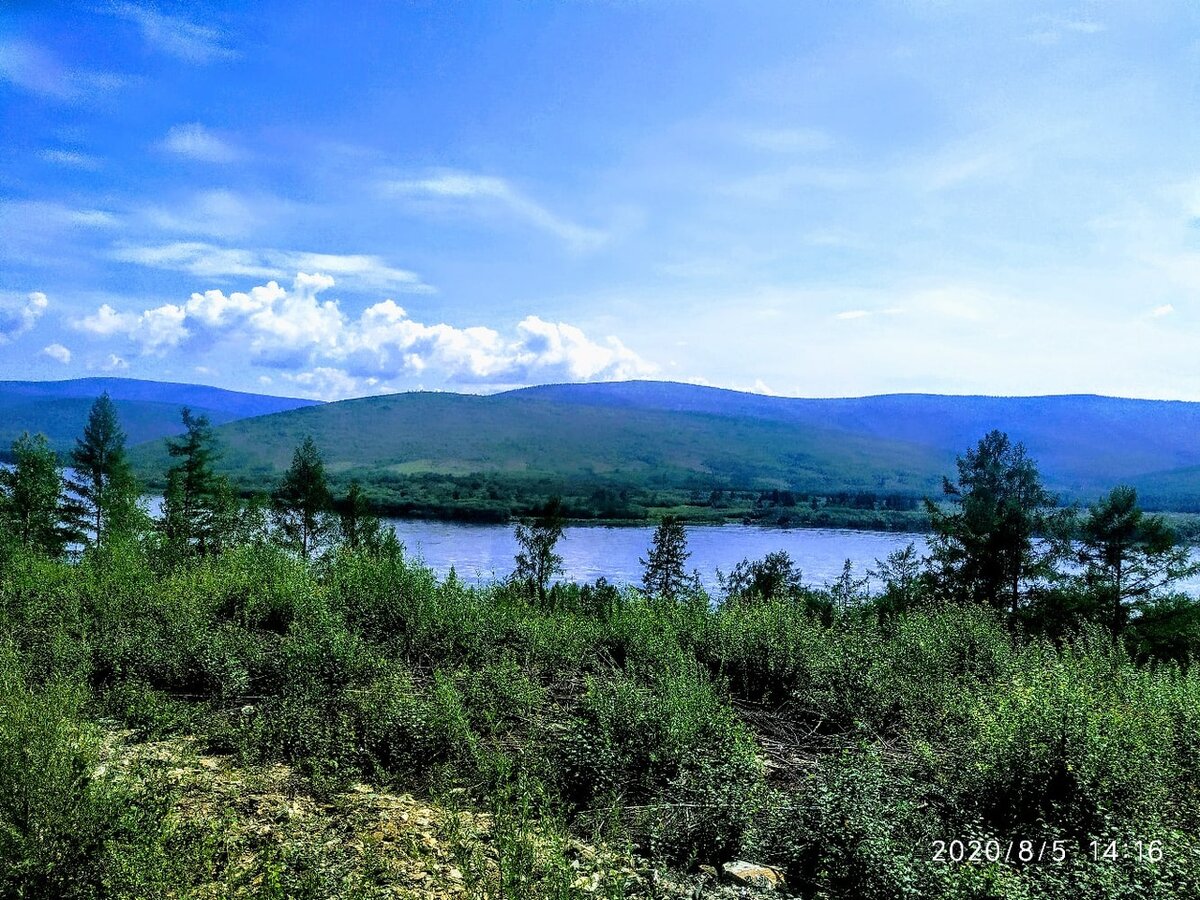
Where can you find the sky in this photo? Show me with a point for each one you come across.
(814, 199)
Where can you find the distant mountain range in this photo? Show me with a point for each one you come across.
(149, 410)
(663, 434)
(648, 435)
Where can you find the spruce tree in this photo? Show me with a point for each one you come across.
(31, 496)
(106, 493)
(664, 573)
(195, 494)
(302, 502)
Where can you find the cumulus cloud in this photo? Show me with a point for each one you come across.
(175, 36)
(18, 317)
(488, 193)
(1159, 311)
(112, 363)
(197, 142)
(57, 352)
(322, 350)
(153, 331)
(210, 261)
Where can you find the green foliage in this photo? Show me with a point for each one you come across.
(198, 505)
(1128, 556)
(66, 831)
(774, 577)
(105, 492)
(985, 551)
(536, 561)
(830, 735)
(303, 505)
(31, 501)
(665, 565)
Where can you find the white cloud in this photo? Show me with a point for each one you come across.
(1159, 311)
(32, 68)
(485, 192)
(175, 36)
(57, 352)
(21, 215)
(328, 353)
(853, 314)
(112, 363)
(197, 142)
(328, 383)
(216, 213)
(18, 317)
(71, 159)
(209, 261)
(154, 331)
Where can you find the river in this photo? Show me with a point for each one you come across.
(481, 553)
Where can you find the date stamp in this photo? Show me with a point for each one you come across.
(1042, 851)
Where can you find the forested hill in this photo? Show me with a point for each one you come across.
(1082, 442)
(148, 409)
(652, 435)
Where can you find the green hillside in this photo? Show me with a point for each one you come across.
(503, 447)
(617, 449)
(148, 409)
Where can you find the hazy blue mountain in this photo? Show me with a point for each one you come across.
(1082, 442)
(148, 409)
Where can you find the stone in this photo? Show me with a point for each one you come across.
(752, 874)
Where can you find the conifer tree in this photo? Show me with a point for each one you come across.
(195, 494)
(31, 496)
(664, 573)
(303, 504)
(106, 493)
(986, 551)
(1128, 556)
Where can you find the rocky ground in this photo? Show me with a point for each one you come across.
(261, 832)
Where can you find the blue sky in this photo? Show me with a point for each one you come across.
(807, 199)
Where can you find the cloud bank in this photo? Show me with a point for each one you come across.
(324, 352)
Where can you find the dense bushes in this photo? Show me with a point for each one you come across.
(837, 745)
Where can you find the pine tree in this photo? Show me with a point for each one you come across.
(195, 494)
(664, 573)
(106, 493)
(1128, 556)
(31, 496)
(303, 503)
(986, 551)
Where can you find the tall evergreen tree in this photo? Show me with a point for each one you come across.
(664, 573)
(303, 504)
(1128, 556)
(986, 550)
(195, 494)
(105, 490)
(536, 560)
(31, 496)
